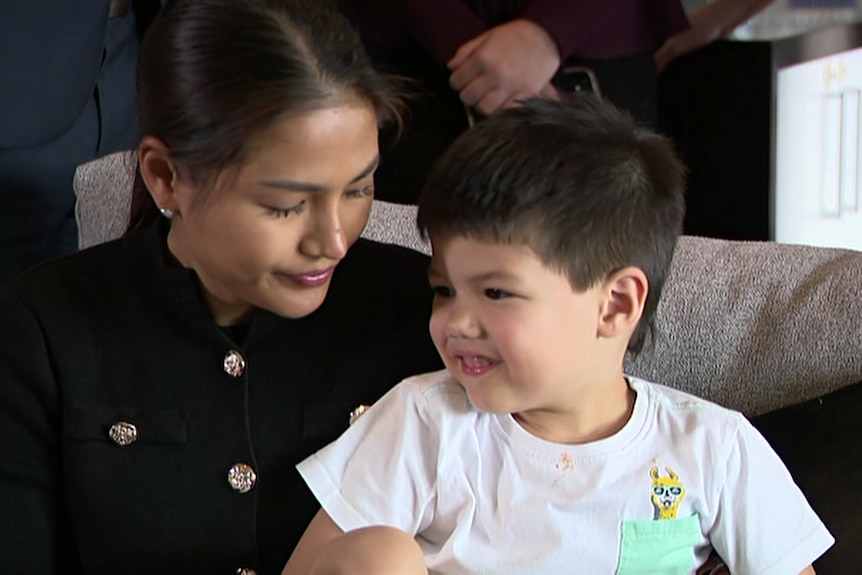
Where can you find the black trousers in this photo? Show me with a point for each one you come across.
(436, 116)
(37, 220)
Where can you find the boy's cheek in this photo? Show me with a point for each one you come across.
(436, 326)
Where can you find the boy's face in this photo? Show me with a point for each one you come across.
(512, 331)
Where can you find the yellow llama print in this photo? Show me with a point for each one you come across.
(667, 493)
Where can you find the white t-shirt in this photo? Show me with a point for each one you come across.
(482, 495)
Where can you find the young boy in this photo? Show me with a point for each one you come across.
(553, 226)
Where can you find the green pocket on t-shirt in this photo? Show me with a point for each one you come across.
(659, 547)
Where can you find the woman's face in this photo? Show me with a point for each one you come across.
(271, 231)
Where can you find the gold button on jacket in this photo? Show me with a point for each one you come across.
(241, 477)
(234, 363)
(123, 433)
(115, 337)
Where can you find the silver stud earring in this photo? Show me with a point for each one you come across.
(167, 212)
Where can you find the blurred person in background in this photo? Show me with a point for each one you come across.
(67, 95)
(484, 55)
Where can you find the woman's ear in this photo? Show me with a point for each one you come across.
(159, 172)
(625, 293)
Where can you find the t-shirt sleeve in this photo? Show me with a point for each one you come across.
(382, 470)
(764, 523)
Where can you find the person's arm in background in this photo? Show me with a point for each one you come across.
(518, 59)
(441, 26)
(708, 23)
(571, 23)
(507, 63)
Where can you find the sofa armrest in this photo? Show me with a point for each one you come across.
(756, 325)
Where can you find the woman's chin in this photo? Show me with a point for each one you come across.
(295, 306)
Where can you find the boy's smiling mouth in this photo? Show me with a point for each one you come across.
(475, 365)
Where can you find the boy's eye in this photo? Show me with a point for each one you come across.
(442, 291)
(495, 293)
(362, 192)
(284, 212)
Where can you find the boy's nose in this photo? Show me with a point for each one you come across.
(461, 323)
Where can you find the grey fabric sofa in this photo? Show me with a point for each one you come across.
(772, 330)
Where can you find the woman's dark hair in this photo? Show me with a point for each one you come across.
(213, 74)
(577, 180)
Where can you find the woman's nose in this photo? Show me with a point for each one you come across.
(326, 238)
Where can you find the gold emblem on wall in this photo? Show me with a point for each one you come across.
(834, 72)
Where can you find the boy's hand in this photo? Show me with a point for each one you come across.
(512, 61)
(713, 566)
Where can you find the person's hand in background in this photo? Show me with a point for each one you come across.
(708, 23)
(509, 62)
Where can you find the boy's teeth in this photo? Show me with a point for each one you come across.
(476, 361)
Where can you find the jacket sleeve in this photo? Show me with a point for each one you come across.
(441, 26)
(29, 461)
(571, 23)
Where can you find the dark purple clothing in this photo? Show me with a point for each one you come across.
(582, 29)
(615, 39)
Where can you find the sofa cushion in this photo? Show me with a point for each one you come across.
(103, 190)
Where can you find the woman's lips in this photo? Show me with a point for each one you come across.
(311, 278)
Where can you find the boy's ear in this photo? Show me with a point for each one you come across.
(625, 293)
(159, 172)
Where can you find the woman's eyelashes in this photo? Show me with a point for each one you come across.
(362, 192)
(284, 212)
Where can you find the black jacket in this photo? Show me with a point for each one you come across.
(114, 335)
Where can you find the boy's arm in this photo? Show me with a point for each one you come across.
(808, 571)
(319, 532)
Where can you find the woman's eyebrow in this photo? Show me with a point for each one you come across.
(368, 169)
(295, 186)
